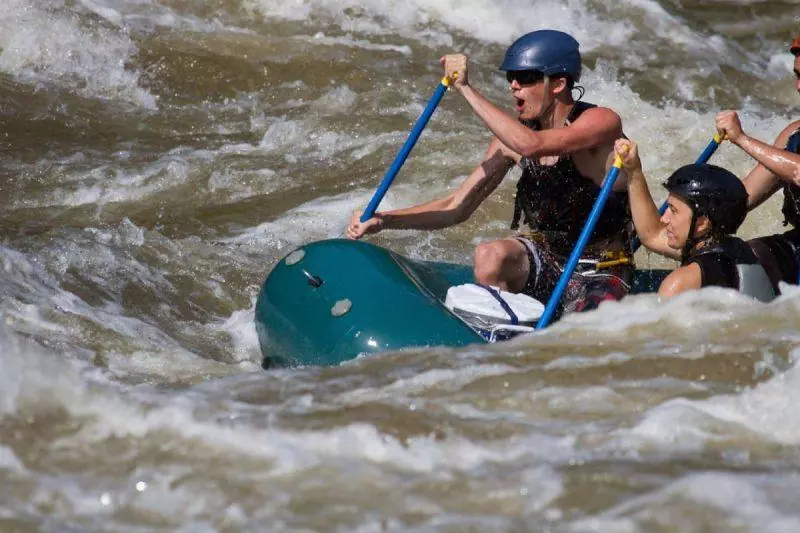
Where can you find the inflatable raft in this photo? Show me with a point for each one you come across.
(333, 300)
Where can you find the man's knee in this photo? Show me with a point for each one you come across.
(489, 257)
(500, 263)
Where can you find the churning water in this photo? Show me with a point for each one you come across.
(157, 157)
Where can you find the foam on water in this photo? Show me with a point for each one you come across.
(87, 47)
(103, 184)
(515, 428)
(147, 415)
(54, 46)
(116, 182)
(706, 501)
(150, 16)
(434, 22)
(440, 23)
(290, 451)
(244, 340)
(9, 460)
(35, 303)
(669, 133)
(317, 219)
(439, 379)
(765, 412)
(689, 310)
(298, 140)
(349, 41)
(34, 380)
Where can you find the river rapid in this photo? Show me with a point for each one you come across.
(158, 156)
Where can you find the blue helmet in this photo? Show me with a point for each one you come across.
(550, 52)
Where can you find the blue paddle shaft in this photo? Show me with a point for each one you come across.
(583, 239)
(704, 157)
(369, 212)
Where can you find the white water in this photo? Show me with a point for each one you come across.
(160, 156)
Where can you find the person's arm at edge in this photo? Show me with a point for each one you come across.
(760, 182)
(782, 163)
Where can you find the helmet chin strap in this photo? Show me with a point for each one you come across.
(691, 241)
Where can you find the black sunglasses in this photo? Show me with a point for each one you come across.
(524, 77)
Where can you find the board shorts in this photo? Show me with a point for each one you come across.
(596, 279)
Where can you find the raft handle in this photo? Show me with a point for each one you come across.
(314, 281)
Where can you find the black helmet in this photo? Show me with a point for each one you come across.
(712, 191)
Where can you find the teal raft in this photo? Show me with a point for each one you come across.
(330, 301)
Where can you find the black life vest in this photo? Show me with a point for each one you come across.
(556, 200)
(791, 192)
(733, 264)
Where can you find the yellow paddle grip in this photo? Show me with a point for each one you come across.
(447, 81)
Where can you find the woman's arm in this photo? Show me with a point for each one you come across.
(645, 215)
(680, 280)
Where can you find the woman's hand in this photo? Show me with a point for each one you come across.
(629, 153)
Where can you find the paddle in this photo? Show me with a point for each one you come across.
(405, 150)
(704, 157)
(583, 239)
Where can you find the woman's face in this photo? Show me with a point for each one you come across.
(677, 219)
